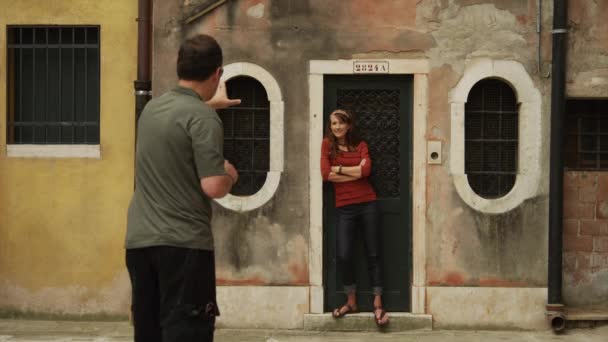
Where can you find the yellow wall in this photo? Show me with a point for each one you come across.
(62, 221)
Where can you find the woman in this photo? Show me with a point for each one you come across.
(346, 163)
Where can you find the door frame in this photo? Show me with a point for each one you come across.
(420, 69)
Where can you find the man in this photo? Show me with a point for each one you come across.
(179, 168)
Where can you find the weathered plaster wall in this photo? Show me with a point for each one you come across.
(585, 262)
(270, 245)
(464, 247)
(587, 70)
(62, 221)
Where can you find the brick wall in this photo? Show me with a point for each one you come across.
(585, 260)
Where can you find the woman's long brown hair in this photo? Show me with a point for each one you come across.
(351, 139)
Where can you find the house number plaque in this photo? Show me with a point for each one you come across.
(370, 67)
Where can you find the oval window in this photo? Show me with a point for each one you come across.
(491, 138)
(247, 134)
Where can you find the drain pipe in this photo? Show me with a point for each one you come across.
(143, 84)
(555, 306)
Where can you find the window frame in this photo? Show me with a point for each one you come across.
(276, 155)
(57, 150)
(527, 181)
(572, 115)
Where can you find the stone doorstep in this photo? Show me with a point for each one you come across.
(399, 321)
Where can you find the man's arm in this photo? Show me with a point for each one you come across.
(216, 186)
(216, 175)
(220, 186)
(220, 100)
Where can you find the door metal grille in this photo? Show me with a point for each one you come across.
(247, 134)
(377, 114)
(491, 138)
(53, 84)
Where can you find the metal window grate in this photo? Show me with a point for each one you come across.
(247, 134)
(586, 146)
(53, 84)
(491, 138)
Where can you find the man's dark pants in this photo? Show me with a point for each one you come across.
(173, 294)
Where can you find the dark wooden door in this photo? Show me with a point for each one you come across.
(383, 107)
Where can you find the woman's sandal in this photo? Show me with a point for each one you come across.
(382, 315)
(340, 312)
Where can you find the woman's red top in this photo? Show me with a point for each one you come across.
(357, 191)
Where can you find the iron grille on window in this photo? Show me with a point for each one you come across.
(491, 138)
(53, 85)
(586, 145)
(247, 134)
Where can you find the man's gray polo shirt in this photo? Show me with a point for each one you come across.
(179, 141)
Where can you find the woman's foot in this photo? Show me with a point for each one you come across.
(344, 310)
(380, 314)
(349, 307)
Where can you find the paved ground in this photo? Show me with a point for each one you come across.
(21, 330)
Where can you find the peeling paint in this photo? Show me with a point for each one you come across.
(113, 298)
(457, 279)
(586, 288)
(497, 282)
(451, 279)
(269, 246)
(463, 247)
(475, 31)
(299, 274)
(257, 251)
(241, 282)
(256, 11)
(587, 49)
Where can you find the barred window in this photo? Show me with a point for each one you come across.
(247, 134)
(491, 138)
(586, 146)
(53, 85)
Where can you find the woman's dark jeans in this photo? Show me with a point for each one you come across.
(353, 220)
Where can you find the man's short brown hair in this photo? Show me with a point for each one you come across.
(198, 58)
